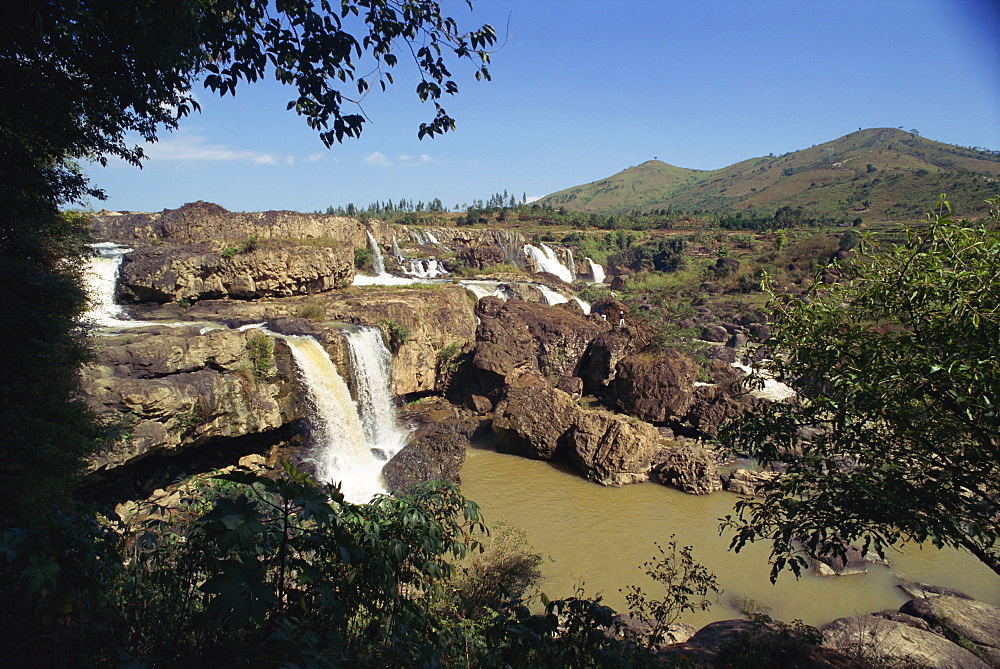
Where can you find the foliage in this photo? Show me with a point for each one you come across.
(396, 333)
(898, 371)
(499, 577)
(314, 311)
(362, 258)
(246, 246)
(261, 350)
(686, 585)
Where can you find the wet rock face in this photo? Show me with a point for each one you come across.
(170, 389)
(611, 449)
(197, 272)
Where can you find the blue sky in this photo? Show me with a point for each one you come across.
(584, 89)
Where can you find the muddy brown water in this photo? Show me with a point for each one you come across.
(599, 538)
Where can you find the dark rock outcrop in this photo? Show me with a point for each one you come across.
(687, 466)
(962, 620)
(655, 389)
(437, 446)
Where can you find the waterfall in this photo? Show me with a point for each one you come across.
(396, 251)
(100, 278)
(371, 369)
(546, 260)
(431, 238)
(596, 271)
(425, 269)
(571, 264)
(341, 447)
(378, 263)
(551, 297)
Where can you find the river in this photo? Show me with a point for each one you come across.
(600, 537)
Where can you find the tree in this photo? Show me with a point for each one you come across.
(898, 374)
(76, 78)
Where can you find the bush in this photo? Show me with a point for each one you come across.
(261, 350)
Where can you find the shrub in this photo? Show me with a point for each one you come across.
(261, 349)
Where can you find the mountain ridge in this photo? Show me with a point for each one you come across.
(877, 174)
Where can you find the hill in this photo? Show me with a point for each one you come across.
(876, 174)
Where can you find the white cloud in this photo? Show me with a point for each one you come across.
(313, 157)
(378, 159)
(191, 147)
(533, 198)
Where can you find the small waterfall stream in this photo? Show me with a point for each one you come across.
(100, 278)
(597, 271)
(548, 261)
(378, 262)
(371, 370)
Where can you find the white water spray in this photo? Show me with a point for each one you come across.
(100, 278)
(378, 262)
(596, 271)
(341, 451)
(371, 372)
(546, 260)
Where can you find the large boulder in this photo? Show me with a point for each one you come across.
(533, 418)
(528, 336)
(612, 449)
(600, 361)
(688, 466)
(655, 389)
(197, 271)
(437, 446)
(886, 637)
(964, 621)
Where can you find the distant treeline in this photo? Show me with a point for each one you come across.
(785, 217)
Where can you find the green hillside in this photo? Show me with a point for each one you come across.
(875, 174)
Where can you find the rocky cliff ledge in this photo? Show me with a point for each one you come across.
(203, 221)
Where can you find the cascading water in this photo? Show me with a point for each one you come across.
(425, 269)
(596, 271)
(101, 276)
(371, 370)
(378, 262)
(546, 260)
(396, 251)
(342, 450)
(551, 297)
(571, 264)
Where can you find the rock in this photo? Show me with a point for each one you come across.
(962, 620)
(687, 466)
(714, 645)
(175, 388)
(875, 638)
(713, 405)
(572, 385)
(725, 267)
(612, 449)
(206, 222)
(657, 389)
(737, 341)
(745, 482)
(923, 590)
(437, 446)
(598, 365)
(714, 333)
(482, 257)
(197, 272)
(479, 404)
(830, 563)
(725, 355)
(533, 418)
(760, 332)
(519, 335)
